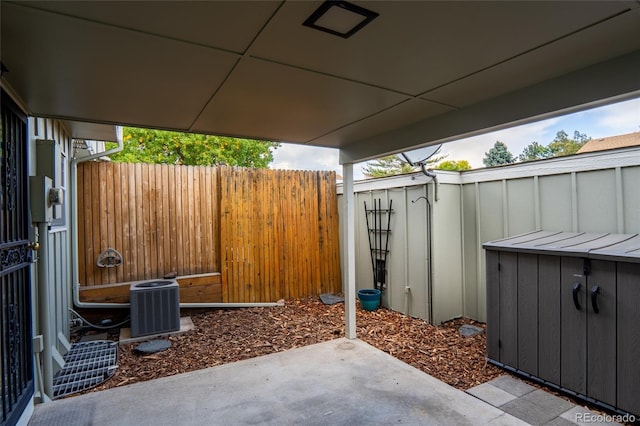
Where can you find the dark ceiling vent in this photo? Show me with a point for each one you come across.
(340, 18)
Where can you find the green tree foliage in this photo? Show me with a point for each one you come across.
(165, 147)
(391, 165)
(563, 145)
(387, 166)
(535, 151)
(498, 155)
(453, 165)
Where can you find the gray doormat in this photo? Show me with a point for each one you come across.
(331, 299)
(87, 364)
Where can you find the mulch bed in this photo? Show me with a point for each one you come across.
(227, 335)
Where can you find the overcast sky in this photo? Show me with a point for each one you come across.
(611, 120)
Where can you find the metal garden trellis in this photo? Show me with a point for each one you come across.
(378, 238)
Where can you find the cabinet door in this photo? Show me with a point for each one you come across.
(493, 304)
(549, 318)
(508, 308)
(628, 344)
(573, 317)
(502, 307)
(528, 313)
(601, 331)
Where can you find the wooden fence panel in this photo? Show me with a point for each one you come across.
(279, 234)
(151, 215)
(270, 234)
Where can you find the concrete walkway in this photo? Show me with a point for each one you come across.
(341, 382)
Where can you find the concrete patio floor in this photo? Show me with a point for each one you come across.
(340, 382)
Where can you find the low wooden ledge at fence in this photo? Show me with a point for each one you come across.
(201, 288)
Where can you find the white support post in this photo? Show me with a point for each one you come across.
(349, 252)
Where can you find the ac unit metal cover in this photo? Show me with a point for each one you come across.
(155, 307)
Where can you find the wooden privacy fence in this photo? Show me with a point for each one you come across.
(279, 234)
(230, 234)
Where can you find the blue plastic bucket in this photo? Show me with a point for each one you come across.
(369, 298)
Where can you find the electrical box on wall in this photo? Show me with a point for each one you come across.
(49, 162)
(56, 196)
(41, 208)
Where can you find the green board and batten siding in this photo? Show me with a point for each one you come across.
(582, 193)
(595, 192)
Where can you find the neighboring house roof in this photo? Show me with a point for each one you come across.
(612, 142)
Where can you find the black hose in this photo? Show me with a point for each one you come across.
(99, 327)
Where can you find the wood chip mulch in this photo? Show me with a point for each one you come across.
(227, 335)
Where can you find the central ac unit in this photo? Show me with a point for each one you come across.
(155, 307)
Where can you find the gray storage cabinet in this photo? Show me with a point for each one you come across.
(563, 308)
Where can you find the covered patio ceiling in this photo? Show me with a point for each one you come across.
(421, 72)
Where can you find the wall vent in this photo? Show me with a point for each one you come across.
(155, 307)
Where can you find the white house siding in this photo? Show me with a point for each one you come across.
(595, 192)
(447, 288)
(407, 280)
(582, 193)
(630, 195)
(556, 202)
(57, 239)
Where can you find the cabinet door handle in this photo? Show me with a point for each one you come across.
(595, 290)
(576, 290)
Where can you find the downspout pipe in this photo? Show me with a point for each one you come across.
(74, 220)
(74, 243)
(432, 175)
(429, 252)
(430, 248)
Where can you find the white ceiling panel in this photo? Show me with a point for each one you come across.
(421, 71)
(416, 46)
(288, 104)
(398, 116)
(209, 23)
(612, 38)
(102, 73)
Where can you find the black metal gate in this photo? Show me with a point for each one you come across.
(16, 371)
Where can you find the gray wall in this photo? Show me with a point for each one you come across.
(57, 238)
(584, 193)
(424, 277)
(594, 192)
(407, 260)
(447, 286)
